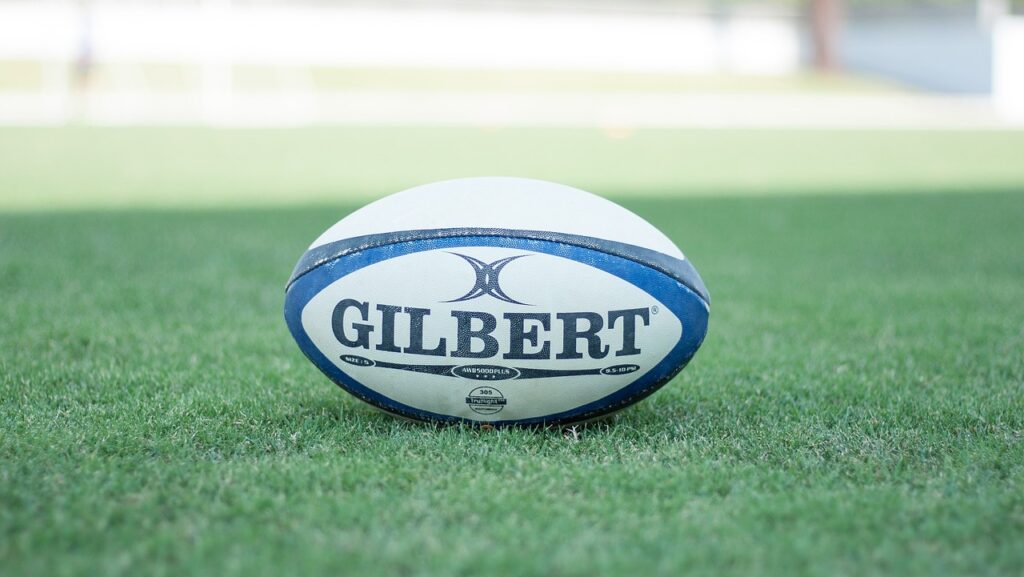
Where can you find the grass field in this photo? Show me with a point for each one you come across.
(857, 409)
(60, 168)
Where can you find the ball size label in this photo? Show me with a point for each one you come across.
(486, 400)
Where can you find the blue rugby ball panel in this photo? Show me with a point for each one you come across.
(677, 268)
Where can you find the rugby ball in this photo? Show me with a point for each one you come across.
(496, 300)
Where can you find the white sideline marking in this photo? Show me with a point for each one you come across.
(612, 111)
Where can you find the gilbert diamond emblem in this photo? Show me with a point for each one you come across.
(487, 279)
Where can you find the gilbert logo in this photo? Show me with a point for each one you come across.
(509, 335)
(487, 279)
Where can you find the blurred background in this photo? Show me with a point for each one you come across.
(411, 90)
(846, 175)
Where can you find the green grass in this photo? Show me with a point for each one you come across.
(857, 409)
(189, 167)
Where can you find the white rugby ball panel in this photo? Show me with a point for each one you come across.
(501, 203)
(445, 277)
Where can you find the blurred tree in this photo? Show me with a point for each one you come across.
(826, 26)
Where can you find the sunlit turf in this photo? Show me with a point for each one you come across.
(858, 407)
(61, 168)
